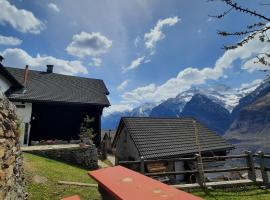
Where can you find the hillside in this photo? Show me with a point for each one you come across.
(208, 112)
(253, 121)
(42, 175)
(251, 127)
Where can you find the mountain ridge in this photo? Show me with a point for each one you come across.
(219, 94)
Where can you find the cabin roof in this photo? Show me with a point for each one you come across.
(169, 137)
(9, 77)
(52, 87)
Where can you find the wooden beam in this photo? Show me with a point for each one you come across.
(77, 184)
(217, 184)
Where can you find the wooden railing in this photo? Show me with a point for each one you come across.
(250, 166)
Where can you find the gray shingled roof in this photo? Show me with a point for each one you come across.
(52, 87)
(163, 137)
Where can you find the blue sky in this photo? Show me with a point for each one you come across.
(144, 50)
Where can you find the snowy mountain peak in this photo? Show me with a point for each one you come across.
(220, 94)
(143, 110)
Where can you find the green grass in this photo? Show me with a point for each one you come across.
(55, 171)
(236, 193)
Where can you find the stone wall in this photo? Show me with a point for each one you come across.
(12, 184)
(85, 156)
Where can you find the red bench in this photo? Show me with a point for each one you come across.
(120, 183)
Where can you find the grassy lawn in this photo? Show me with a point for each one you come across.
(54, 171)
(237, 193)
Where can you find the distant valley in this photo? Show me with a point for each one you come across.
(206, 104)
(241, 115)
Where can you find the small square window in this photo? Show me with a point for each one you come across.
(20, 106)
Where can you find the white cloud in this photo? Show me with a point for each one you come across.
(122, 86)
(19, 58)
(88, 44)
(8, 40)
(20, 19)
(134, 64)
(151, 40)
(255, 83)
(96, 62)
(117, 108)
(53, 7)
(147, 61)
(210, 19)
(137, 41)
(156, 33)
(140, 94)
(253, 64)
(256, 49)
(194, 76)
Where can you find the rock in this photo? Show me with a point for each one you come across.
(10, 161)
(9, 172)
(85, 157)
(2, 195)
(11, 167)
(4, 113)
(39, 179)
(2, 175)
(9, 133)
(2, 151)
(1, 131)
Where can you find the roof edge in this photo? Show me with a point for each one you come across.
(9, 76)
(12, 99)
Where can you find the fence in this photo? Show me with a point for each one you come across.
(250, 166)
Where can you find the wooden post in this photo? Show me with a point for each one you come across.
(142, 165)
(250, 164)
(116, 161)
(263, 171)
(200, 170)
(104, 150)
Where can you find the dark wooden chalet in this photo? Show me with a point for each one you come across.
(52, 106)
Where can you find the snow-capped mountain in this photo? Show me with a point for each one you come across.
(220, 94)
(251, 121)
(208, 112)
(252, 96)
(111, 121)
(142, 111)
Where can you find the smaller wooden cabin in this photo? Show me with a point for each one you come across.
(107, 137)
(158, 138)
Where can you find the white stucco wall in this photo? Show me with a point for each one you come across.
(24, 115)
(4, 84)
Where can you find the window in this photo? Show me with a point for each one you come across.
(26, 130)
(20, 106)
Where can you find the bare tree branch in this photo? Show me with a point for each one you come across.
(245, 10)
(257, 30)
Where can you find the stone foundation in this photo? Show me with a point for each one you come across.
(12, 183)
(85, 157)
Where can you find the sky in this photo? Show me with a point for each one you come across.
(144, 50)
